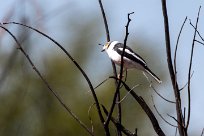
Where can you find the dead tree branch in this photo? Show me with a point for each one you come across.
(161, 115)
(121, 73)
(189, 72)
(145, 108)
(113, 64)
(118, 124)
(181, 123)
(176, 49)
(47, 84)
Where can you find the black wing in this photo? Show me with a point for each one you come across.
(130, 54)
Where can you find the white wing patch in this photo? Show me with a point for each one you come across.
(133, 54)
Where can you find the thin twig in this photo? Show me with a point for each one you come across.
(181, 128)
(160, 114)
(113, 64)
(180, 89)
(105, 21)
(151, 86)
(47, 84)
(145, 108)
(175, 53)
(121, 73)
(199, 42)
(128, 93)
(196, 31)
(100, 84)
(89, 110)
(174, 119)
(189, 72)
(118, 124)
(161, 95)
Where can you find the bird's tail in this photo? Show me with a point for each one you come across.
(153, 75)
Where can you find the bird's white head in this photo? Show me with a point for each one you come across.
(110, 44)
(106, 46)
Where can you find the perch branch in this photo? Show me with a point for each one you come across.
(145, 108)
(121, 72)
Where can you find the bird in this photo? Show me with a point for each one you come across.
(131, 60)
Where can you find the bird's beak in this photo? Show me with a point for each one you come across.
(103, 49)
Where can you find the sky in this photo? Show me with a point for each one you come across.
(147, 21)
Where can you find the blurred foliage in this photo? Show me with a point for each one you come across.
(28, 108)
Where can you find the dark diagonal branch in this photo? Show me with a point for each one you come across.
(113, 64)
(173, 118)
(198, 35)
(121, 73)
(145, 108)
(197, 31)
(199, 42)
(181, 128)
(105, 21)
(189, 72)
(46, 83)
(75, 63)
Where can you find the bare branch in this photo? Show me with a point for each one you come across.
(128, 93)
(73, 60)
(46, 83)
(199, 42)
(113, 64)
(161, 95)
(196, 31)
(121, 72)
(161, 115)
(181, 128)
(118, 124)
(145, 108)
(175, 53)
(75, 63)
(189, 72)
(105, 21)
(180, 89)
(100, 84)
(174, 119)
